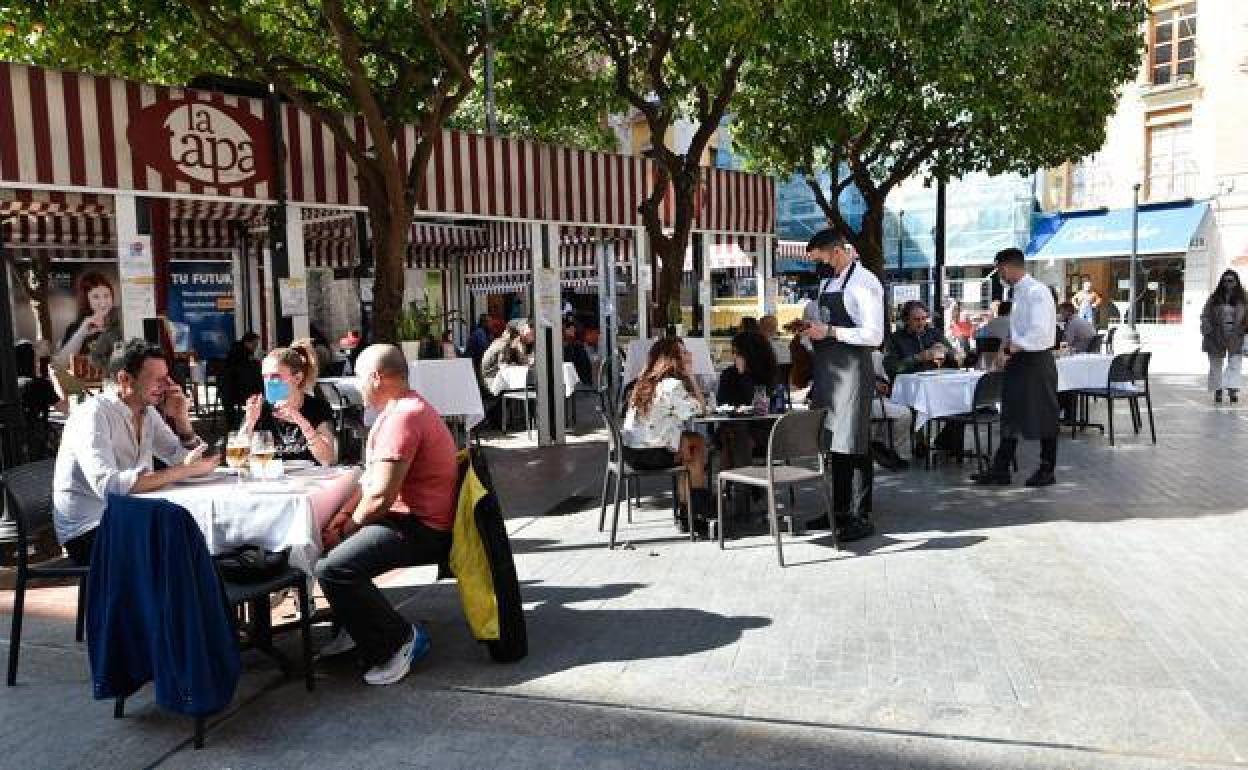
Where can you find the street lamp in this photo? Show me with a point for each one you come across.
(1132, 335)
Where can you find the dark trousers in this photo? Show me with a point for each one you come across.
(79, 548)
(1007, 447)
(852, 478)
(346, 575)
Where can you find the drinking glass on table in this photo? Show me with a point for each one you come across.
(262, 450)
(237, 448)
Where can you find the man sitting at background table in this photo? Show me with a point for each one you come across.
(110, 440)
(1076, 332)
(401, 515)
(918, 345)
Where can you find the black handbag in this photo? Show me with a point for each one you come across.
(252, 564)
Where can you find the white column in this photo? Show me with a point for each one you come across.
(768, 291)
(138, 277)
(704, 292)
(643, 265)
(547, 315)
(298, 268)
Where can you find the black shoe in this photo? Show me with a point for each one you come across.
(1041, 478)
(1234, 394)
(991, 478)
(819, 523)
(855, 528)
(682, 520)
(1217, 396)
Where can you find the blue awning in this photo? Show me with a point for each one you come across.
(795, 266)
(1163, 229)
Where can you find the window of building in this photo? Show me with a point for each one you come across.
(1171, 170)
(1174, 44)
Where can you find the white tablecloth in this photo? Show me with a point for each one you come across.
(639, 352)
(516, 378)
(450, 385)
(291, 516)
(1083, 370)
(939, 394)
(946, 393)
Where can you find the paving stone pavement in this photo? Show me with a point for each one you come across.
(1097, 623)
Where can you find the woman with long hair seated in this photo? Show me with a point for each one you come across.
(663, 398)
(754, 366)
(302, 423)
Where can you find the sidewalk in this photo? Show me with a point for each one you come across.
(1098, 623)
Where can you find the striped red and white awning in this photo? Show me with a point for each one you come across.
(72, 131)
(791, 249)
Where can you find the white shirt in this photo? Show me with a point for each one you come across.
(864, 301)
(100, 455)
(1033, 317)
(660, 428)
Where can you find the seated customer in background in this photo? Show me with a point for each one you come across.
(110, 441)
(240, 377)
(574, 353)
(400, 515)
(754, 366)
(301, 422)
(664, 396)
(917, 345)
(999, 327)
(1076, 332)
(38, 396)
(900, 421)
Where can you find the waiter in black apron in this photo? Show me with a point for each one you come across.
(845, 324)
(1029, 394)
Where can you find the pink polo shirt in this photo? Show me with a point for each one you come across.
(410, 429)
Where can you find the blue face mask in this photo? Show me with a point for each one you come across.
(276, 390)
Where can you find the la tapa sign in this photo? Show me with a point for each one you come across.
(201, 143)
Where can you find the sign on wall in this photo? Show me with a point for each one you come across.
(201, 295)
(201, 143)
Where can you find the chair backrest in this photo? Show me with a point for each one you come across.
(333, 368)
(987, 344)
(1139, 366)
(797, 434)
(615, 439)
(28, 499)
(1096, 344)
(1121, 369)
(1109, 339)
(988, 391)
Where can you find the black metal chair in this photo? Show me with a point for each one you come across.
(625, 475)
(1096, 344)
(28, 500)
(796, 435)
(1127, 380)
(1108, 347)
(985, 410)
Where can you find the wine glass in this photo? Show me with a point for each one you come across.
(237, 448)
(262, 450)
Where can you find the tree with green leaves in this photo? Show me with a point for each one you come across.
(391, 63)
(670, 60)
(875, 91)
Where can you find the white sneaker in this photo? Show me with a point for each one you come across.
(339, 645)
(401, 662)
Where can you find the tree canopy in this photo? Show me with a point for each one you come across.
(875, 91)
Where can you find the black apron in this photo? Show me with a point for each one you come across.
(844, 377)
(1029, 396)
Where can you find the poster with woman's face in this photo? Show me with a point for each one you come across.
(66, 279)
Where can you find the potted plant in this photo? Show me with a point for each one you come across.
(415, 323)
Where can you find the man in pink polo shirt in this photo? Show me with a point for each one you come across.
(401, 515)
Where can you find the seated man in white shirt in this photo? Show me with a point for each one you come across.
(109, 442)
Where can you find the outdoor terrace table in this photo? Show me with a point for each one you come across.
(449, 385)
(273, 515)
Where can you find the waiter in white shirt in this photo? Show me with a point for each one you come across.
(845, 323)
(1029, 394)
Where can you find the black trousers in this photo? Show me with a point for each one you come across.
(346, 575)
(1005, 454)
(79, 548)
(852, 479)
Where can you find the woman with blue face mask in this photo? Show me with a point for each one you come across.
(302, 424)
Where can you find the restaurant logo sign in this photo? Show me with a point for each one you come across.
(201, 143)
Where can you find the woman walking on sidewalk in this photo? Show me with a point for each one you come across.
(1222, 325)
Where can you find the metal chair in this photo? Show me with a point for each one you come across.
(523, 395)
(796, 435)
(1109, 339)
(28, 499)
(1120, 385)
(985, 410)
(1096, 344)
(625, 475)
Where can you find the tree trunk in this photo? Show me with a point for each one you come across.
(869, 240)
(391, 219)
(669, 250)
